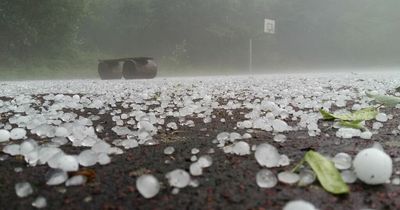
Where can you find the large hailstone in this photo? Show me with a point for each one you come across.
(178, 178)
(17, 133)
(299, 205)
(241, 148)
(267, 155)
(23, 189)
(4, 135)
(148, 186)
(373, 166)
(279, 125)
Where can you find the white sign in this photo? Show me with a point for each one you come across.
(269, 26)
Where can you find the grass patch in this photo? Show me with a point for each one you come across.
(45, 73)
(80, 66)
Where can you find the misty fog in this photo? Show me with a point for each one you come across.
(63, 38)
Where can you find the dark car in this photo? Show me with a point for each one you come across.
(129, 68)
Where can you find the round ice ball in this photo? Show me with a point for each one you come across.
(373, 166)
(4, 135)
(17, 133)
(299, 205)
(148, 186)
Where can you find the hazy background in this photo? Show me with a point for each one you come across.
(64, 38)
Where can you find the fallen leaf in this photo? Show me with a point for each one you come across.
(351, 124)
(368, 113)
(327, 174)
(390, 101)
(326, 115)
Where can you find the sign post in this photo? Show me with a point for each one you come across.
(269, 28)
(251, 55)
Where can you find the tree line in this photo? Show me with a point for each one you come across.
(201, 33)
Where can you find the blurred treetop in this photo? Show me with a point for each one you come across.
(198, 32)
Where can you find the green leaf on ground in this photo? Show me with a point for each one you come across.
(351, 124)
(326, 115)
(368, 113)
(327, 174)
(390, 101)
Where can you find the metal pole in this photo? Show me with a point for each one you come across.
(251, 56)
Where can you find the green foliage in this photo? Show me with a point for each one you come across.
(351, 124)
(368, 113)
(390, 101)
(39, 29)
(207, 34)
(327, 174)
(326, 115)
(351, 120)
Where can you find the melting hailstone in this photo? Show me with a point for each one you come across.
(342, 161)
(169, 150)
(40, 202)
(76, 181)
(57, 177)
(299, 205)
(349, 176)
(279, 125)
(172, 125)
(205, 161)
(280, 138)
(178, 178)
(267, 155)
(12, 149)
(307, 177)
(17, 133)
(46, 153)
(196, 169)
(366, 135)
(288, 177)
(194, 151)
(129, 143)
(27, 146)
(348, 133)
(266, 179)
(381, 117)
(61, 132)
(87, 158)
(4, 135)
(148, 185)
(67, 163)
(241, 148)
(23, 189)
(103, 159)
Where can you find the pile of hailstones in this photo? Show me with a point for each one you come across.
(148, 186)
(65, 128)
